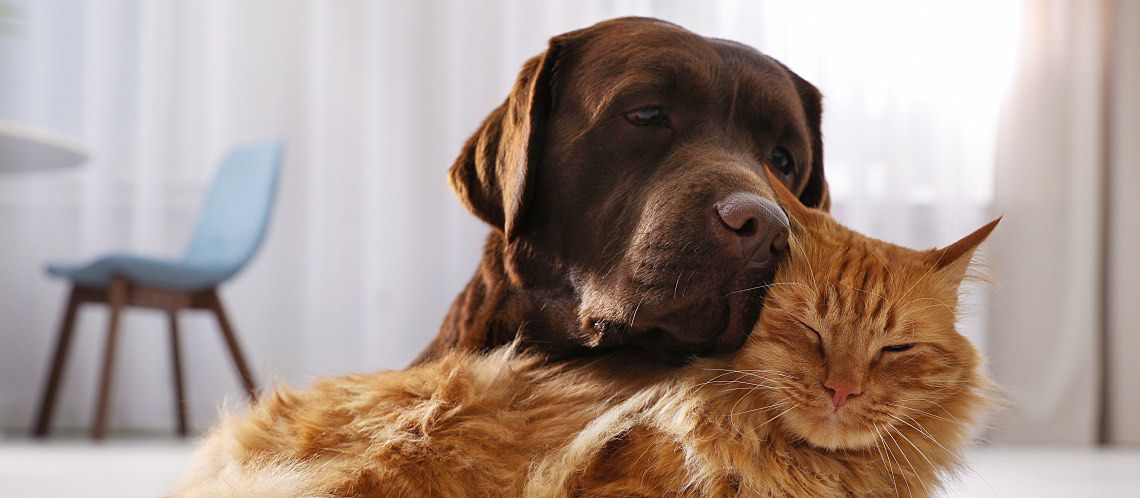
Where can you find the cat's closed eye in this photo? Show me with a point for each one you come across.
(897, 348)
(818, 336)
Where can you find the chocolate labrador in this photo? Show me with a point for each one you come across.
(623, 178)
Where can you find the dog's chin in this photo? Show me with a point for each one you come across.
(741, 305)
(715, 319)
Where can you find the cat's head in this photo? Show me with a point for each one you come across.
(858, 336)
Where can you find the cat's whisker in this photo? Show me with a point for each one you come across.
(732, 410)
(956, 432)
(890, 432)
(951, 382)
(940, 407)
(739, 386)
(890, 464)
(778, 415)
(795, 243)
(942, 392)
(927, 298)
(747, 377)
(725, 374)
(901, 471)
(939, 304)
(753, 388)
(956, 455)
(738, 400)
(927, 434)
(867, 292)
(773, 383)
(916, 448)
(878, 450)
(777, 372)
(921, 411)
(756, 374)
(741, 376)
(952, 454)
(774, 405)
(766, 286)
(886, 267)
(762, 383)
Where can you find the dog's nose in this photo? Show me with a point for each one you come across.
(840, 392)
(758, 226)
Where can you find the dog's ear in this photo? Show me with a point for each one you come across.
(492, 173)
(814, 193)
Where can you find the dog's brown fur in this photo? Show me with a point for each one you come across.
(603, 232)
(755, 423)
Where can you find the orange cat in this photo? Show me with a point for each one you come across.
(855, 382)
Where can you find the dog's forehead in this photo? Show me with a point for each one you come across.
(749, 65)
(645, 53)
(760, 82)
(610, 52)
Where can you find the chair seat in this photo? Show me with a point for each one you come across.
(144, 271)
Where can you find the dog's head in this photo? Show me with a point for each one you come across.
(625, 172)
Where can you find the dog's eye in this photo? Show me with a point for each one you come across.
(782, 161)
(897, 347)
(647, 116)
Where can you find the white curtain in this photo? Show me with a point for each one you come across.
(368, 246)
(1064, 331)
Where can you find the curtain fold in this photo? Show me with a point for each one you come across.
(1065, 252)
(1122, 409)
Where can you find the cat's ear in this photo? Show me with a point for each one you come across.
(953, 260)
(789, 201)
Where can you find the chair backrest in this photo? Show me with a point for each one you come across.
(236, 213)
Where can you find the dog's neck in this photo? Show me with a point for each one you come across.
(499, 304)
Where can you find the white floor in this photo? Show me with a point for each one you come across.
(149, 468)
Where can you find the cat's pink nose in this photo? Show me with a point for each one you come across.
(840, 392)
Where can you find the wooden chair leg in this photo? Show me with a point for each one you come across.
(59, 358)
(180, 408)
(215, 303)
(116, 300)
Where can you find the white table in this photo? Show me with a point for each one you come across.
(26, 148)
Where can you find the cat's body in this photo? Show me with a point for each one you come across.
(854, 383)
(505, 423)
(465, 425)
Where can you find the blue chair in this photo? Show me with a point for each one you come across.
(230, 231)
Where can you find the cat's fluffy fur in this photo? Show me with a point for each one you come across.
(758, 422)
(506, 424)
(465, 425)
